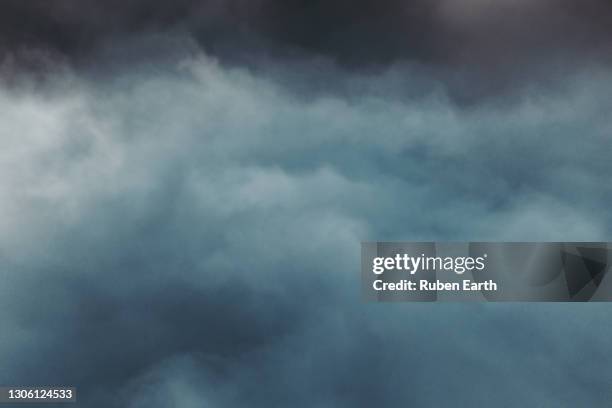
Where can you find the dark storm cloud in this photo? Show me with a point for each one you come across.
(357, 33)
(474, 49)
(73, 27)
(189, 236)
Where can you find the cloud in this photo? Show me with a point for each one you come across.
(478, 48)
(189, 236)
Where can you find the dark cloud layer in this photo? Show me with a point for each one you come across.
(357, 33)
(474, 48)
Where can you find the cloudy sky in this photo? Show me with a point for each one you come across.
(184, 188)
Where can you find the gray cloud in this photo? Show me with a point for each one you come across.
(189, 236)
(476, 48)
